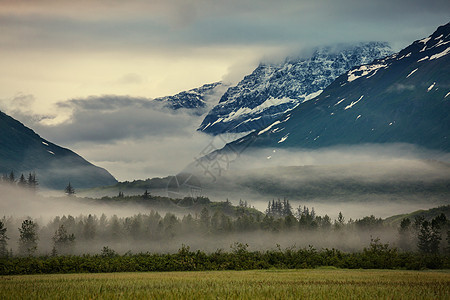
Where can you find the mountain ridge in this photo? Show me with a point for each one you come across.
(23, 151)
(194, 99)
(272, 89)
(402, 98)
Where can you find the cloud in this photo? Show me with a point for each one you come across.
(345, 154)
(132, 137)
(110, 118)
(21, 107)
(63, 49)
(131, 78)
(328, 178)
(170, 25)
(141, 158)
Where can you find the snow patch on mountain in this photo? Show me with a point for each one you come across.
(339, 102)
(312, 95)
(363, 71)
(425, 40)
(439, 55)
(271, 102)
(269, 127)
(283, 138)
(353, 103)
(412, 72)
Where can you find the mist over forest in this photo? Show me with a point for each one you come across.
(67, 224)
(359, 180)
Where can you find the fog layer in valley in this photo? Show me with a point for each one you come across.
(364, 179)
(357, 181)
(162, 234)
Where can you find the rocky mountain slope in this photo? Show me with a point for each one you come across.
(272, 89)
(194, 99)
(402, 98)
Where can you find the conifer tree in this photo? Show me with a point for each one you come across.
(90, 227)
(405, 234)
(28, 238)
(205, 219)
(326, 222)
(22, 182)
(268, 210)
(11, 177)
(32, 181)
(339, 223)
(429, 237)
(3, 240)
(287, 208)
(69, 190)
(62, 241)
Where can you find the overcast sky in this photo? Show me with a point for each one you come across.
(56, 53)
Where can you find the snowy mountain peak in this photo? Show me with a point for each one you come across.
(402, 98)
(273, 89)
(195, 99)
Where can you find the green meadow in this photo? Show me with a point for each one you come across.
(322, 283)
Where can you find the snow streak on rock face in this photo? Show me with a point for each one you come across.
(273, 89)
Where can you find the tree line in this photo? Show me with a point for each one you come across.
(375, 256)
(420, 235)
(29, 182)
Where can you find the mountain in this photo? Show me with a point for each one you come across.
(194, 99)
(23, 151)
(272, 89)
(402, 98)
(427, 214)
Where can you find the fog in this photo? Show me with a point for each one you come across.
(365, 179)
(359, 181)
(256, 241)
(154, 233)
(46, 204)
(131, 227)
(341, 154)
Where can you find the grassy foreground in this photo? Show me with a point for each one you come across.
(261, 284)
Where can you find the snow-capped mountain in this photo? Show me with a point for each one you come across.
(402, 98)
(23, 151)
(194, 99)
(272, 89)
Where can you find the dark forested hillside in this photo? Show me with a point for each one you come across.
(24, 151)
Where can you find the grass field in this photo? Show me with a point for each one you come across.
(268, 284)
